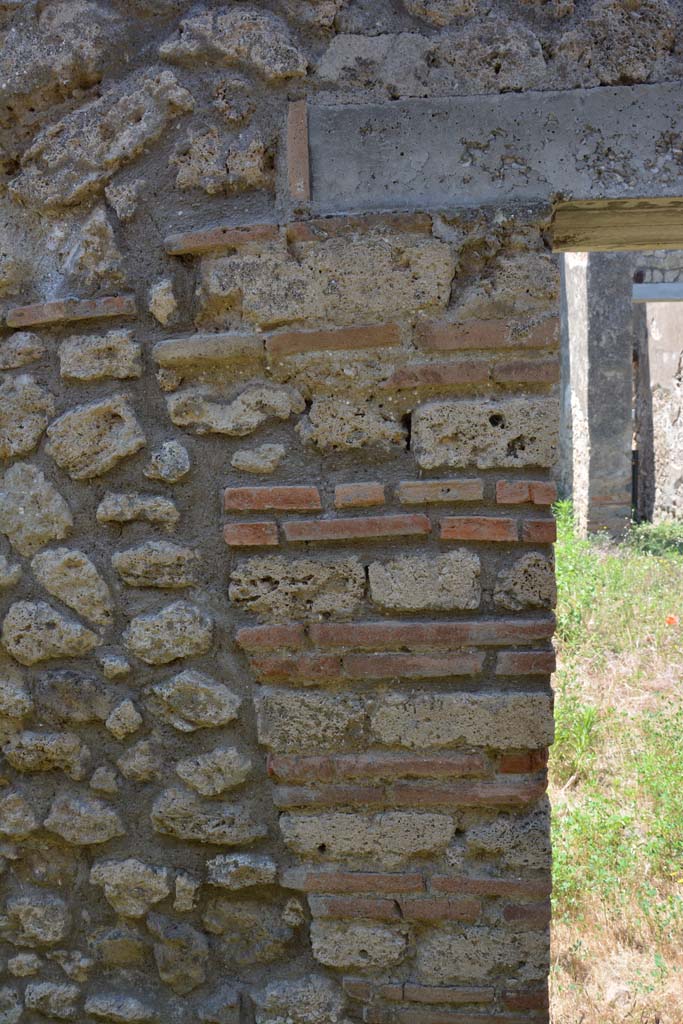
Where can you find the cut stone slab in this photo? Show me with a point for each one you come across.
(89, 440)
(414, 583)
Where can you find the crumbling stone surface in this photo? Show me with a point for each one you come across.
(528, 583)
(17, 820)
(89, 440)
(33, 631)
(182, 815)
(96, 261)
(25, 408)
(521, 843)
(255, 932)
(285, 719)
(335, 426)
(180, 952)
(209, 162)
(96, 357)
(312, 1000)
(179, 630)
(443, 583)
(255, 406)
(52, 999)
(70, 576)
(454, 955)
(120, 1008)
(277, 590)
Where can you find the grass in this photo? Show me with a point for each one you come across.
(617, 778)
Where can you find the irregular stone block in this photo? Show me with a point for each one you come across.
(468, 954)
(179, 630)
(375, 279)
(264, 459)
(208, 356)
(415, 583)
(510, 433)
(208, 161)
(226, 37)
(23, 965)
(337, 425)
(24, 412)
(120, 1008)
(124, 720)
(96, 261)
(97, 357)
(76, 157)
(20, 349)
(17, 819)
(9, 574)
(389, 838)
(46, 751)
(89, 440)
(253, 931)
(169, 463)
(141, 763)
(192, 700)
(212, 773)
(522, 284)
(70, 576)
(194, 408)
(181, 953)
(38, 919)
(501, 721)
(528, 583)
(69, 696)
(241, 871)
(83, 820)
(519, 842)
(11, 1007)
(182, 815)
(277, 589)
(130, 886)
(314, 999)
(15, 699)
(51, 999)
(32, 512)
(162, 302)
(342, 944)
(222, 1007)
(130, 508)
(33, 632)
(157, 563)
(186, 893)
(287, 720)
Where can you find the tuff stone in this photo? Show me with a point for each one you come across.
(10, 573)
(467, 954)
(257, 404)
(209, 162)
(241, 871)
(11, 1009)
(70, 576)
(17, 820)
(186, 893)
(287, 720)
(182, 815)
(113, 665)
(192, 700)
(389, 838)
(264, 459)
(105, 781)
(124, 720)
(208, 357)
(120, 947)
(169, 463)
(181, 953)
(521, 843)
(83, 820)
(528, 583)
(46, 751)
(130, 886)
(356, 945)
(130, 508)
(415, 583)
(71, 697)
(157, 563)
(141, 762)
(274, 289)
(179, 630)
(34, 632)
(120, 1008)
(212, 773)
(32, 512)
(222, 1007)
(253, 931)
(20, 349)
(162, 303)
(441, 12)
(97, 357)
(337, 425)
(15, 699)
(25, 408)
(76, 157)
(278, 590)
(51, 999)
(230, 38)
(38, 919)
(23, 965)
(89, 440)
(511, 433)
(96, 261)
(314, 999)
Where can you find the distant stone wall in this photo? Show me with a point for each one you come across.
(276, 572)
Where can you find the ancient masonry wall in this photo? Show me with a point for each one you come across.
(276, 577)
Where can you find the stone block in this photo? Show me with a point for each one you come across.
(418, 583)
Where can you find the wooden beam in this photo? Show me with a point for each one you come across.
(612, 225)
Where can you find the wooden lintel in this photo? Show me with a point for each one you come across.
(611, 225)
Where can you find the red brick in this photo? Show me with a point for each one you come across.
(448, 337)
(67, 310)
(484, 528)
(534, 999)
(533, 915)
(329, 796)
(321, 768)
(519, 492)
(439, 375)
(359, 528)
(270, 638)
(495, 793)
(418, 492)
(539, 531)
(523, 762)
(251, 535)
(411, 666)
(298, 168)
(304, 668)
(510, 887)
(348, 908)
(527, 371)
(221, 236)
(322, 228)
(269, 499)
(465, 909)
(525, 663)
(544, 334)
(358, 495)
(383, 636)
(325, 881)
(433, 995)
(338, 339)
